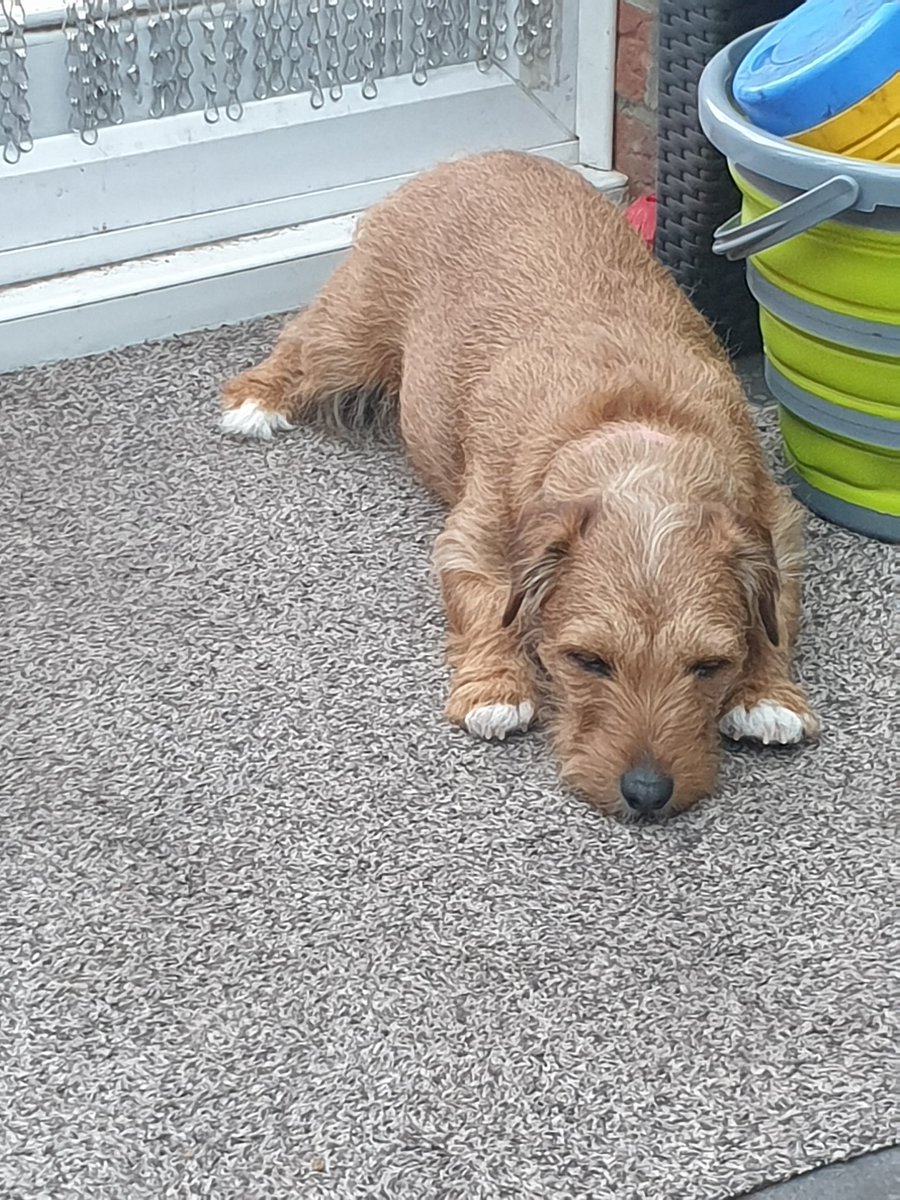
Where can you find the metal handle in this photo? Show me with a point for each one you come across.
(819, 204)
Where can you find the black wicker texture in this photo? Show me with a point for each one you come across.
(695, 193)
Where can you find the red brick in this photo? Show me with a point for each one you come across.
(634, 149)
(634, 47)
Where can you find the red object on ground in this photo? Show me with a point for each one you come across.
(641, 215)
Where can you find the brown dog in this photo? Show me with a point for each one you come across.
(615, 547)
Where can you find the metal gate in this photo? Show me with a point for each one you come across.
(169, 164)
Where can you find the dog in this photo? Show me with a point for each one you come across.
(616, 553)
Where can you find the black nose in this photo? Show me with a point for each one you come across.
(645, 789)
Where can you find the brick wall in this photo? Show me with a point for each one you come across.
(635, 120)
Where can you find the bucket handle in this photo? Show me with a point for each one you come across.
(736, 241)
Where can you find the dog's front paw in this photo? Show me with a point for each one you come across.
(490, 708)
(254, 407)
(769, 722)
(251, 420)
(491, 700)
(497, 721)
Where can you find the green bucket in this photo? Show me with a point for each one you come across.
(821, 235)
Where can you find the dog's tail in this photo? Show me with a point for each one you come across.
(358, 415)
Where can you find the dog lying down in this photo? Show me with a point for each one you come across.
(616, 555)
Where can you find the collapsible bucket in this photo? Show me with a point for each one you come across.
(821, 235)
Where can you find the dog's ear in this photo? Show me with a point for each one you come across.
(544, 536)
(749, 546)
(757, 571)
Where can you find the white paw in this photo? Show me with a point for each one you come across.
(767, 722)
(252, 421)
(497, 720)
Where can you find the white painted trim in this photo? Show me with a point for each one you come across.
(105, 308)
(25, 263)
(165, 312)
(174, 270)
(595, 86)
(216, 259)
(152, 178)
(611, 183)
(197, 288)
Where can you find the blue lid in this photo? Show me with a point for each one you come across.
(821, 59)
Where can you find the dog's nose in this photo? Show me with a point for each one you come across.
(646, 790)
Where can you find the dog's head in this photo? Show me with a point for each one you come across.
(643, 617)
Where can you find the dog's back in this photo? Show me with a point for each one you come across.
(488, 251)
(502, 290)
(490, 291)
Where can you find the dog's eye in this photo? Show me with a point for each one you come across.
(707, 667)
(590, 662)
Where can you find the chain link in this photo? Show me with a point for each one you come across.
(459, 17)
(492, 33)
(15, 113)
(499, 33)
(294, 22)
(162, 58)
(278, 26)
(333, 49)
(523, 43)
(432, 31)
(379, 43)
(94, 64)
(352, 14)
(269, 28)
(107, 67)
(77, 29)
(534, 30)
(544, 46)
(209, 81)
(130, 66)
(395, 36)
(233, 55)
(370, 38)
(314, 45)
(261, 35)
(446, 40)
(484, 35)
(418, 45)
(183, 67)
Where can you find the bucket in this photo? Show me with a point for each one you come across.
(821, 236)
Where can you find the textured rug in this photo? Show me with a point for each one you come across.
(270, 928)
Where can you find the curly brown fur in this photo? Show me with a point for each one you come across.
(611, 517)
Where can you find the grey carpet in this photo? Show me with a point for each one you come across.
(271, 929)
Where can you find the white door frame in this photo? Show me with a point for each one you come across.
(595, 97)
